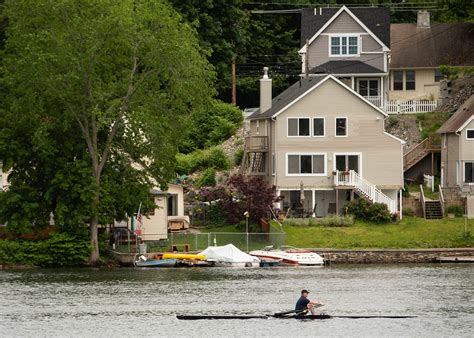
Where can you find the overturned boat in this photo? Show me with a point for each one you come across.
(289, 255)
(230, 256)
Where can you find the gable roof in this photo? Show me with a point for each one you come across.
(300, 89)
(460, 118)
(341, 67)
(443, 43)
(376, 20)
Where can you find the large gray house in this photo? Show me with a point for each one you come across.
(320, 142)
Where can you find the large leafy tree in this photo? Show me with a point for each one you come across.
(95, 94)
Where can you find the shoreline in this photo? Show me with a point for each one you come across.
(359, 256)
(331, 256)
(391, 256)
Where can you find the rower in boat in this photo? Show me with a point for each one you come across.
(304, 304)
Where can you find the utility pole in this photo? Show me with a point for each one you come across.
(234, 89)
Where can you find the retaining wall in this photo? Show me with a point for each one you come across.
(388, 256)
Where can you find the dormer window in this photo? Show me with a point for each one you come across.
(344, 45)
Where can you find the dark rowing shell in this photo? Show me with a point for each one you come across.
(302, 317)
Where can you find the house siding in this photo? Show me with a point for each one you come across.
(318, 51)
(467, 146)
(425, 86)
(381, 154)
(449, 157)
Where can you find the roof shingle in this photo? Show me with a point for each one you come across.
(377, 19)
(345, 67)
(443, 43)
(459, 117)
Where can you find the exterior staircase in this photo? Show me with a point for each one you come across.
(432, 209)
(364, 188)
(254, 161)
(418, 152)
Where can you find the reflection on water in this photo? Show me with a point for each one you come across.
(132, 302)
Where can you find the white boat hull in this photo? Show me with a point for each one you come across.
(303, 258)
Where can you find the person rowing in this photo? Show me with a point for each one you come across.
(304, 304)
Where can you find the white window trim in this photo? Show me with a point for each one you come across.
(334, 35)
(467, 138)
(463, 168)
(335, 126)
(298, 118)
(310, 154)
(257, 127)
(347, 153)
(324, 126)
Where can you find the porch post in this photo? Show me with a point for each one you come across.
(432, 164)
(313, 192)
(382, 102)
(352, 83)
(278, 204)
(337, 201)
(401, 204)
(352, 195)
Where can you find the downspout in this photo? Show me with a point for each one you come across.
(457, 133)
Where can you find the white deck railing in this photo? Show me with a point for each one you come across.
(364, 187)
(410, 107)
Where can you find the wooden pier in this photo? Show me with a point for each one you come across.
(460, 259)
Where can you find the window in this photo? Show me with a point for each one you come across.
(306, 164)
(368, 87)
(469, 172)
(173, 205)
(318, 126)
(298, 127)
(347, 162)
(410, 80)
(397, 80)
(341, 126)
(344, 45)
(470, 134)
(438, 75)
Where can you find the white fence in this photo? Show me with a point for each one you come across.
(410, 107)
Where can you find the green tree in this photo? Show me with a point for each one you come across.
(95, 94)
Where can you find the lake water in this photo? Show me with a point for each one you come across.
(131, 302)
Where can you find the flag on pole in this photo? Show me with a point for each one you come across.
(138, 231)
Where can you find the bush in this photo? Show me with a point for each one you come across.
(457, 210)
(330, 221)
(214, 124)
(406, 190)
(60, 249)
(207, 178)
(408, 212)
(372, 212)
(238, 156)
(213, 157)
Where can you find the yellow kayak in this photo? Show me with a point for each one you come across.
(184, 256)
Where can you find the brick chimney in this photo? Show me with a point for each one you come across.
(265, 91)
(423, 19)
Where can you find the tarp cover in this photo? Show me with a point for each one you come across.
(228, 253)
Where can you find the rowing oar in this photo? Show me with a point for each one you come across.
(295, 312)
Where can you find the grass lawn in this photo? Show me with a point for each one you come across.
(411, 232)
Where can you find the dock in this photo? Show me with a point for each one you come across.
(460, 259)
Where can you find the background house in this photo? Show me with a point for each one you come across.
(320, 142)
(169, 214)
(351, 44)
(457, 149)
(417, 51)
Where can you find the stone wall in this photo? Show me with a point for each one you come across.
(389, 256)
